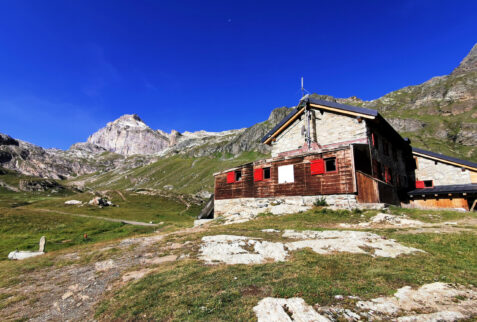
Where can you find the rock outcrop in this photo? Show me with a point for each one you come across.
(129, 135)
(469, 63)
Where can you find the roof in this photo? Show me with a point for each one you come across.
(280, 124)
(344, 107)
(455, 188)
(445, 158)
(332, 106)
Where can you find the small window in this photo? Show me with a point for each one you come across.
(428, 183)
(238, 175)
(388, 175)
(266, 173)
(378, 170)
(330, 165)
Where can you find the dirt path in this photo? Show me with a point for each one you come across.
(129, 222)
(71, 292)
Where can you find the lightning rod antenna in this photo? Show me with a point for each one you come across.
(302, 88)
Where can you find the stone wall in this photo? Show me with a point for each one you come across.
(250, 207)
(327, 128)
(441, 173)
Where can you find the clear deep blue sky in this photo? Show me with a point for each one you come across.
(69, 67)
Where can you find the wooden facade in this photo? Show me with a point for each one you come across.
(444, 202)
(372, 190)
(340, 181)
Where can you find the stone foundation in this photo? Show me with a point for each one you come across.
(250, 207)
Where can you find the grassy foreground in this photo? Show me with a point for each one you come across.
(190, 290)
(25, 217)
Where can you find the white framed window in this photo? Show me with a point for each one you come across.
(286, 174)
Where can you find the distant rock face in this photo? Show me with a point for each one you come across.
(7, 140)
(32, 160)
(39, 185)
(406, 125)
(129, 135)
(469, 63)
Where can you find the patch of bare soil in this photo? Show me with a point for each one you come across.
(70, 292)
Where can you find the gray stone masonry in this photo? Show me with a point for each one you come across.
(326, 128)
(279, 205)
(441, 173)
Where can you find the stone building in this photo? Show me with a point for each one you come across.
(322, 152)
(443, 181)
(344, 156)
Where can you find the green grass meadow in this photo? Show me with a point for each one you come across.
(191, 290)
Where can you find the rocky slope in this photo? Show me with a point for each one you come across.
(80, 159)
(129, 135)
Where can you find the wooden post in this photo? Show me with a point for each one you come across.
(473, 205)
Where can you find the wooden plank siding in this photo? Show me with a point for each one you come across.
(367, 189)
(434, 203)
(372, 190)
(305, 184)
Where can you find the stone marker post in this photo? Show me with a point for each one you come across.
(42, 244)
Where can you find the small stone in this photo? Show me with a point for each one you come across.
(104, 265)
(67, 295)
(73, 202)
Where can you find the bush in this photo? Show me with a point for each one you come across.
(320, 202)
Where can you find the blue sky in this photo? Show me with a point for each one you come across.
(69, 67)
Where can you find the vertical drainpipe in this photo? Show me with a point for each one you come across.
(370, 152)
(308, 130)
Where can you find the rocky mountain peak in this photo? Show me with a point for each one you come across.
(130, 120)
(469, 63)
(129, 135)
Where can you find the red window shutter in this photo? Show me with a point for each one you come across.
(230, 177)
(317, 166)
(387, 175)
(258, 174)
(420, 185)
(372, 138)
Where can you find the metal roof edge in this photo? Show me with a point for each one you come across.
(445, 157)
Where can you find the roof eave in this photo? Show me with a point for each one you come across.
(454, 162)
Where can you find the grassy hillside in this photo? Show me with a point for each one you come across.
(186, 174)
(22, 228)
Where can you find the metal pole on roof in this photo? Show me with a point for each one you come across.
(307, 115)
(308, 131)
